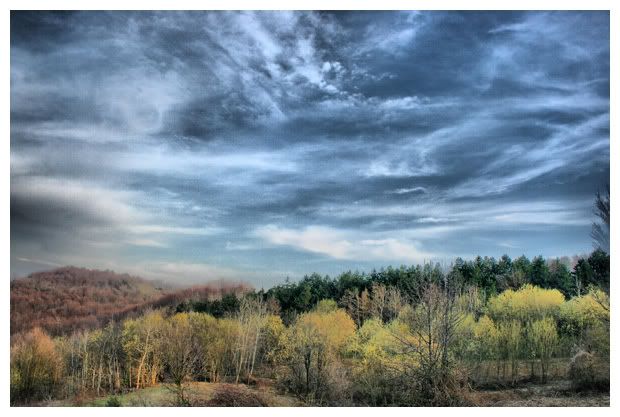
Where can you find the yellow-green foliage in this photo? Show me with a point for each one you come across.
(588, 310)
(587, 319)
(542, 339)
(333, 327)
(326, 306)
(271, 338)
(374, 340)
(206, 329)
(471, 300)
(311, 349)
(477, 340)
(179, 351)
(141, 339)
(379, 360)
(509, 339)
(527, 304)
(464, 342)
(486, 338)
(215, 339)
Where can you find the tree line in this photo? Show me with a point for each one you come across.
(572, 277)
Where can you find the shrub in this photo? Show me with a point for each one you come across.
(543, 340)
(379, 372)
(310, 352)
(36, 367)
(581, 314)
(113, 401)
(589, 372)
(233, 396)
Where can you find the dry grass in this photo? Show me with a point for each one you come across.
(200, 394)
(204, 394)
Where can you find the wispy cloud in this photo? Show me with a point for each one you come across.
(340, 244)
(237, 143)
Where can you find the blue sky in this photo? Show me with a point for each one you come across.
(255, 146)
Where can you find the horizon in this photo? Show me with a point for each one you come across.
(569, 261)
(257, 146)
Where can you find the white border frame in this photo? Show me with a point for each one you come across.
(614, 8)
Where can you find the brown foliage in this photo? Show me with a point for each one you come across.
(69, 299)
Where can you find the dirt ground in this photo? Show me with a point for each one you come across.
(553, 394)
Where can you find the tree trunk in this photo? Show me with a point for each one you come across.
(146, 351)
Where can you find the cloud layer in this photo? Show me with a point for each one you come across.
(255, 145)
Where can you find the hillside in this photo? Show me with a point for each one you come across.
(68, 299)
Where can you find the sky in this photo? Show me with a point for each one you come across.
(255, 146)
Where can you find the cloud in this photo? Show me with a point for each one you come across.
(563, 149)
(52, 200)
(189, 273)
(147, 243)
(39, 262)
(175, 137)
(408, 190)
(154, 229)
(239, 246)
(340, 244)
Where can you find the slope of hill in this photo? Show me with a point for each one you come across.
(69, 298)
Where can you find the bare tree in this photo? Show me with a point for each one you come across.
(600, 231)
(394, 303)
(357, 305)
(180, 354)
(252, 318)
(378, 300)
(433, 322)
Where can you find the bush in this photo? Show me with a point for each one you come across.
(36, 367)
(233, 396)
(589, 372)
(113, 401)
(310, 354)
(378, 373)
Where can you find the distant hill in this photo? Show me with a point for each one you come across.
(68, 299)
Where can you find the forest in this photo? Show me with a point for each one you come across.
(422, 335)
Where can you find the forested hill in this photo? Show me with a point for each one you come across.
(68, 299)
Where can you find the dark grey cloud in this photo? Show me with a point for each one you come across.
(264, 144)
